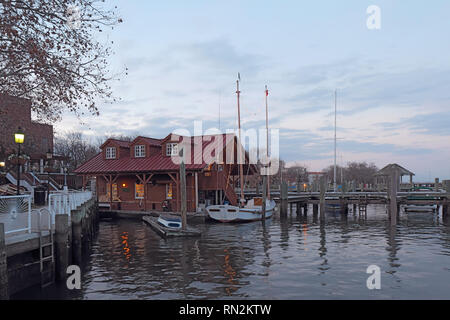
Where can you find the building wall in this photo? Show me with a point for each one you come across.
(15, 113)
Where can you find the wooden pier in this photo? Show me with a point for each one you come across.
(42, 255)
(358, 200)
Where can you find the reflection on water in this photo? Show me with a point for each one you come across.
(293, 258)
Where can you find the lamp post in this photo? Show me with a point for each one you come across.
(19, 138)
(49, 157)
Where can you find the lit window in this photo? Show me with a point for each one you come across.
(169, 193)
(139, 151)
(115, 192)
(172, 149)
(139, 188)
(110, 153)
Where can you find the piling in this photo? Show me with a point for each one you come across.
(4, 295)
(393, 208)
(61, 245)
(445, 210)
(322, 198)
(76, 237)
(315, 210)
(305, 209)
(183, 195)
(298, 208)
(284, 200)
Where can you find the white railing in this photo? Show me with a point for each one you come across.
(63, 202)
(15, 213)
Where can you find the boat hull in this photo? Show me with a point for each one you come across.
(227, 213)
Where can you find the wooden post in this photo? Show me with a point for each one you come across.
(444, 209)
(305, 209)
(76, 237)
(61, 248)
(264, 197)
(298, 208)
(4, 295)
(196, 191)
(393, 197)
(315, 209)
(183, 195)
(322, 197)
(283, 199)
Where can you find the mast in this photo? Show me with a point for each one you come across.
(335, 112)
(241, 172)
(267, 142)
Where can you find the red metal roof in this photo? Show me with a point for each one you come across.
(156, 162)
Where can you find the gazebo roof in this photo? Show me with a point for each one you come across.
(387, 170)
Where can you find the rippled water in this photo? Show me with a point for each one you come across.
(293, 258)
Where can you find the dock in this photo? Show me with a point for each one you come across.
(167, 232)
(37, 245)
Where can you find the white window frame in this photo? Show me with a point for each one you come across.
(172, 149)
(111, 153)
(139, 151)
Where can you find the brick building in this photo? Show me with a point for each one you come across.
(14, 113)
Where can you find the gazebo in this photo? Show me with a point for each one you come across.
(382, 176)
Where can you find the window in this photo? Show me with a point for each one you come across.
(115, 192)
(172, 149)
(169, 193)
(139, 188)
(139, 151)
(110, 153)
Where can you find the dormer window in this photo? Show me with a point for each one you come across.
(139, 151)
(172, 149)
(110, 153)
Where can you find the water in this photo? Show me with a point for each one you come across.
(294, 258)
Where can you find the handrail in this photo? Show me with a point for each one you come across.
(63, 202)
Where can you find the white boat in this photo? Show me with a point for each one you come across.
(252, 211)
(420, 208)
(171, 222)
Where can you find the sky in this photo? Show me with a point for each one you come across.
(393, 83)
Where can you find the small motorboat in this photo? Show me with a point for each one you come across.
(168, 221)
(252, 211)
(420, 208)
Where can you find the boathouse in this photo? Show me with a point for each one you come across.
(144, 175)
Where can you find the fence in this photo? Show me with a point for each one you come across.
(63, 202)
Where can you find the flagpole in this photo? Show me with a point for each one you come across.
(241, 175)
(267, 143)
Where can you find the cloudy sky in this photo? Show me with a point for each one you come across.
(393, 84)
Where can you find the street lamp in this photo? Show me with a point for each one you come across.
(49, 157)
(19, 138)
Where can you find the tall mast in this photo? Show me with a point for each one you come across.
(267, 142)
(241, 171)
(335, 112)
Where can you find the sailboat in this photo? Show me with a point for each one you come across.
(329, 206)
(253, 209)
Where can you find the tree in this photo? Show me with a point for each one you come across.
(49, 54)
(73, 146)
(360, 172)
